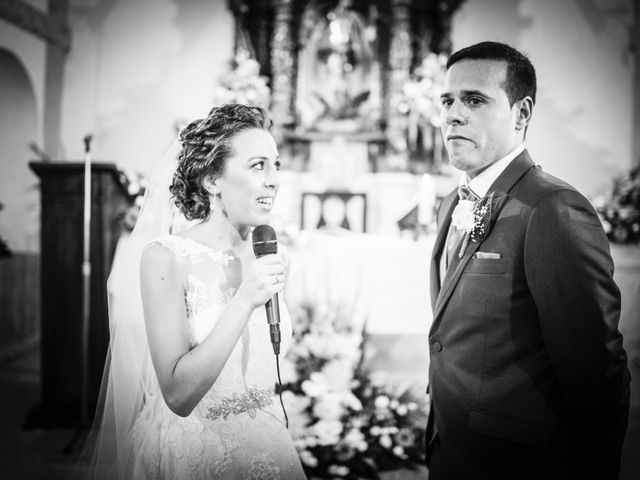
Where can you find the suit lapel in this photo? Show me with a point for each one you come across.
(444, 220)
(503, 184)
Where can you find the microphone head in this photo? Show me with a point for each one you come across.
(264, 241)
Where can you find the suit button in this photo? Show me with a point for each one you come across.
(437, 347)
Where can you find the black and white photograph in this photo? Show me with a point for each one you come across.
(319, 239)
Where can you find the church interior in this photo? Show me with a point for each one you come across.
(104, 86)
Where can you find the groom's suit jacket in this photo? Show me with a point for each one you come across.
(527, 375)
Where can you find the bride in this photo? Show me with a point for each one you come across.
(189, 392)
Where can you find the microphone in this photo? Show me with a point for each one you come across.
(265, 243)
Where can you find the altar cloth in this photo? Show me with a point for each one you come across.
(382, 281)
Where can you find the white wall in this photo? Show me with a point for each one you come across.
(137, 67)
(582, 127)
(31, 52)
(21, 122)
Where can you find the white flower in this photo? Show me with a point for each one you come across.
(338, 470)
(328, 432)
(338, 373)
(328, 407)
(462, 216)
(295, 403)
(316, 385)
(288, 371)
(385, 441)
(405, 438)
(382, 402)
(351, 401)
(398, 451)
(308, 459)
(354, 438)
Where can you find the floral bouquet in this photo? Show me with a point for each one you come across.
(344, 424)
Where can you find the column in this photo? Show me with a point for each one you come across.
(282, 66)
(399, 72)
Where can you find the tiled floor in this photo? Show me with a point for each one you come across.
(40, 454)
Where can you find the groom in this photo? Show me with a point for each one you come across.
(527, 376)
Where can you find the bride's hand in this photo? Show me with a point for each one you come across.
(262, 278)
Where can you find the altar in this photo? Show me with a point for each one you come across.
(381, 281)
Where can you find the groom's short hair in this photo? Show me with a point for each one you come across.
(521, 76)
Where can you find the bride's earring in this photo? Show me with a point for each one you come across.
(216, 196)
(223, 210)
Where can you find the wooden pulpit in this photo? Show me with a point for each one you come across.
(62, 200)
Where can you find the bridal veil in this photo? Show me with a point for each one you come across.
(128, 369)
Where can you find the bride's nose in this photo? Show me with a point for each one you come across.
(272, 177)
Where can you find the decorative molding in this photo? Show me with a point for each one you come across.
(282, 66)
(400, 55)
(50, 27)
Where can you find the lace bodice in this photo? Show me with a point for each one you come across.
(210, 280)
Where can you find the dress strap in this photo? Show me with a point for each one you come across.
(186, 249)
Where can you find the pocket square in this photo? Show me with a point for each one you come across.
(486, 255)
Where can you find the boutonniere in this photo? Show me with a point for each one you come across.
(473, 217)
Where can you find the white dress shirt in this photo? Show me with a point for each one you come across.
(480, 186)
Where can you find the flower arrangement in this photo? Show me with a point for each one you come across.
(343, 422)
(620, 211)
(135, 185)
(423, 91)
(243, 83)
(421, 109)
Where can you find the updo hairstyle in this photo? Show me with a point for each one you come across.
(206, 146)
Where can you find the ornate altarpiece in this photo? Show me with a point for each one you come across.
(337, 68)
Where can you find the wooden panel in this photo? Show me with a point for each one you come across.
(19, 304)
(62, 186)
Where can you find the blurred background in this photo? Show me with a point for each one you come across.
(352, 87)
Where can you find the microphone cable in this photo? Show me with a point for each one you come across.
(286, 418)
(263, 239)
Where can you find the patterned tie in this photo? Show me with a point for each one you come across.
(455, 235)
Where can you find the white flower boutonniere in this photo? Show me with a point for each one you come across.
(473, 218)
(462, 217)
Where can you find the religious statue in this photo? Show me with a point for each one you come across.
(337, 82)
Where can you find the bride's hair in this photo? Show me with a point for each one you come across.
(206, 145)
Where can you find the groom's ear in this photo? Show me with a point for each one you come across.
(525, 110)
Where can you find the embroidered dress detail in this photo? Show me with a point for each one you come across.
(249, 402)
(188, 250)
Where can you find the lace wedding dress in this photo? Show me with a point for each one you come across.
(236, 431)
